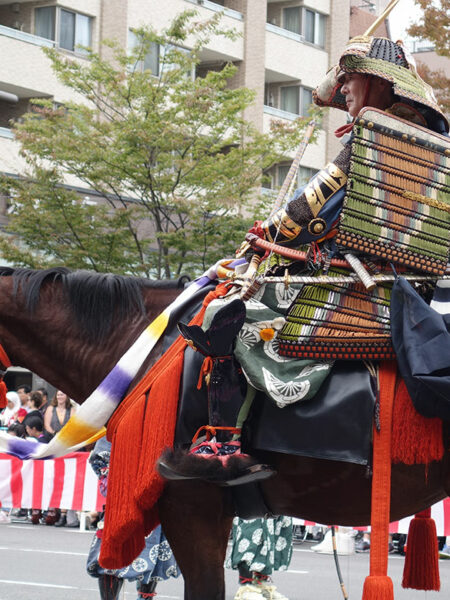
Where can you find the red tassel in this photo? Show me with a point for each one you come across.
(378, 587)
(123, 533)
(415, 439)
(3, 399)
(421, 570)
(158, 431)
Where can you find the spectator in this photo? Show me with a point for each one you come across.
(24, 394)
(364, 543)
(17, 429)
(56, 416)
(58, 413)
(44, 404)
(34, 426)
(13, 404)
(34, 407)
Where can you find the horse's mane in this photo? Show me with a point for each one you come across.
(94, 298)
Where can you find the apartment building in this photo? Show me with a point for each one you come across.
(284, 49)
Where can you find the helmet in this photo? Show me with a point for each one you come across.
(388, 60)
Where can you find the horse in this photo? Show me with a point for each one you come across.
(72, 327)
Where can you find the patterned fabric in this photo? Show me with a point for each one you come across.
(264, 545)
(155, 563)
(398, 204)
(284, 380)
(313, 208)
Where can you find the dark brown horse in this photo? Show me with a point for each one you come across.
(71, 329)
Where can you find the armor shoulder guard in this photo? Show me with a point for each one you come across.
(397, 199)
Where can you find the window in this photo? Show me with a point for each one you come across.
(44, 25)
(151, 61)
(283, 170)
(292, 19)
(295, 99)
(314, 27)
(69, 29)
(306, 22)
(290, 99)
(305, 174)
(275, 177)
(306, 101)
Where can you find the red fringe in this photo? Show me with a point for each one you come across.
(415, 439)
(159, 431)
(140, 428)
(421, 569)
(378, 586)
(123, 532)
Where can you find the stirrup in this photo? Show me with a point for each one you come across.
(219, 463)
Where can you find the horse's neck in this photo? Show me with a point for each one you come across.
(51, 344)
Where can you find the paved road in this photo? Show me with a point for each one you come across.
(39, 562)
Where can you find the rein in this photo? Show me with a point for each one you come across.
(257, 242)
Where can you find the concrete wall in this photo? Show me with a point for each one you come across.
(294, 59)
(142, 12)
(337, 36)
(434, 61)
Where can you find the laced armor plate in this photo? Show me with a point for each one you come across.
(397, 203)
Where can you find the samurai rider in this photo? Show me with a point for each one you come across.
(371, 72)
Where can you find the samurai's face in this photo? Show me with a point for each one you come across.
(354, 88)
(365, 90)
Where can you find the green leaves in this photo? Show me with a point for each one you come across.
(172, 166)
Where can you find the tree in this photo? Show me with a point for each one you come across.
(170, 157)
(439, 82)
(435, 24)
(435, 27)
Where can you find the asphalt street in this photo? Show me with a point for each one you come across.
(39, 562)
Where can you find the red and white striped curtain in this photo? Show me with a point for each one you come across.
(440, 512)
(67, 482)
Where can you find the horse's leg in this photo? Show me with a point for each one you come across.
(196, 518)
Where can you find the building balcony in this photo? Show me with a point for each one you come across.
(27, 73)
(218, 7)
(289, 57)
(10, 159)
(283, 115)
(219, 47)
